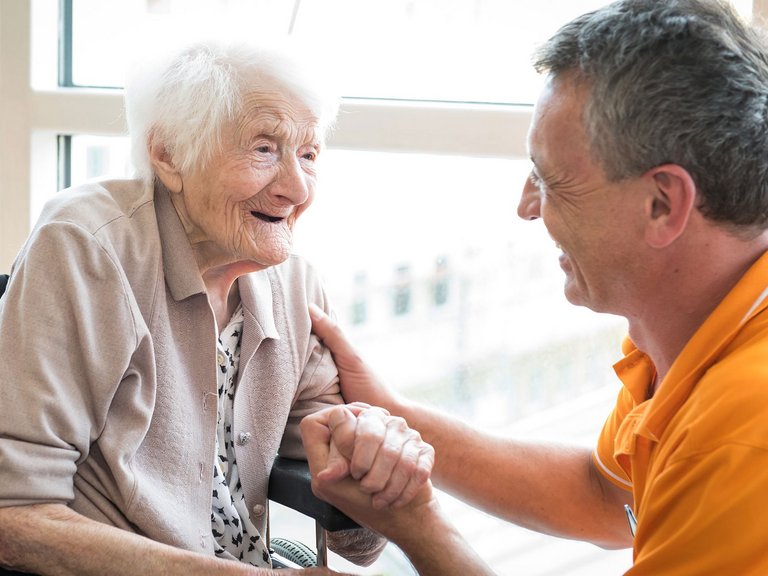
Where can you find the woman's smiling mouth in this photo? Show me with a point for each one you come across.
(266, 217)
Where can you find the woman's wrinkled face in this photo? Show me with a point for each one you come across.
(244, 204)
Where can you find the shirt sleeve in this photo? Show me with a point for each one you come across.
(318, 385)
(319, 388)
(61, 359)
(603, 454)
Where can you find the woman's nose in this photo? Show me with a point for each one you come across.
(529, 207)
(292, 183)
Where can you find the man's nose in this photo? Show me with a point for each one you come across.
(529, 207)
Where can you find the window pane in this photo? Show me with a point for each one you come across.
(455, 50)
(99, 156)
(105, 35)
(465, 311)
(459, 50)
(464, 294)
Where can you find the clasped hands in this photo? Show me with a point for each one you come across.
(367, 463)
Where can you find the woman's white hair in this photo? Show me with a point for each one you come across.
(182, 102)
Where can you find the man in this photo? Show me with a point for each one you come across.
(649, 146)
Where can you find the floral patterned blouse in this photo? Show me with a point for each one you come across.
(235, 537)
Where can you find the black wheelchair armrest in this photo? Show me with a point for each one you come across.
(290, 484)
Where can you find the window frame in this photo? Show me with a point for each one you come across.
(34, 117)
(34, 114)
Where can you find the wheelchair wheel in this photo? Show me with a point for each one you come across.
(294, 552)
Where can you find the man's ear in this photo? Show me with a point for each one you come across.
(163, 166)
(669, 204)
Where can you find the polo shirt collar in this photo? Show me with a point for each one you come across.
(748, 298)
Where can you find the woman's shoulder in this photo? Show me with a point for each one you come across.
(96, 203)
(112, 219)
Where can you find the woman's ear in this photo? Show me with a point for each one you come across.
(669, 204)
(162, 164)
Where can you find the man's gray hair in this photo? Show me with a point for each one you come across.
(675, 81)
(182, 102)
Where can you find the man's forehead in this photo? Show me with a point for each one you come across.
(559, 110)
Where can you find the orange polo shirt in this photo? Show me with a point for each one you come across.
(695, 456)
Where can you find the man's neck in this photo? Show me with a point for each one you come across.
(681, 304)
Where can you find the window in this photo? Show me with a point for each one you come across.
(98, 156)
(429, 60)
(417, 191)
(360, 299)
(433, 50)
(440, 282)
(402, 290)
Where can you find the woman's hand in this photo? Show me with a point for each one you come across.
(389, 461)
(414, 520)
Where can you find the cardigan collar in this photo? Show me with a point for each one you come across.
(183, 278)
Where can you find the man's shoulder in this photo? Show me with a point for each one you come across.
(729, 402)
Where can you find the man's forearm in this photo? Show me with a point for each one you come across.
(545, 487)
(434, 545)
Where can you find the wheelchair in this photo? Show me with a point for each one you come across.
(290, 486)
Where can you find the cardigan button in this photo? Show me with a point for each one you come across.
(243, 438)
(258, 510)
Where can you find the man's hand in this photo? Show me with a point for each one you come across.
(414, 521)
(357, 380)
(332, 437)
(389, 460)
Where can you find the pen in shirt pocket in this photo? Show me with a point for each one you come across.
(631, 519)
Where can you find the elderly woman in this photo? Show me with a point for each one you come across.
(155, 345)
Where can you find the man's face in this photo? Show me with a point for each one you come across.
(596, 223)
(244, 205)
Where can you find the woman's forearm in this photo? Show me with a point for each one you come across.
(51, 539)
